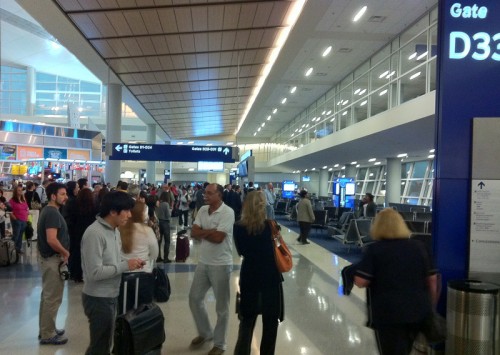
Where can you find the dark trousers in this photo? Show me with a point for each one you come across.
(75, 258)
(2, 230)
(245, 332)
(305, 228)
(397, 339)
(165, 235)
(183, 216)
(101, 312)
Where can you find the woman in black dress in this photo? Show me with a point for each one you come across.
(260, 281)
(401, 283)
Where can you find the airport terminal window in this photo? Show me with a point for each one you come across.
(13, 85)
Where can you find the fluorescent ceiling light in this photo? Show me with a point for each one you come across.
(377, 163)
(255, 133)
(191, 169)
(343, 167)
(209, 144)
(330, 169)
(309, 71)
(413, 55)
(402, 155)
(333, 119)
(422, 56)
(275, 110)
(362, 92)
(191, 142)
(292, 134)
(354, 162)
(414, 76)
(327, 51)
(269, 118)
(325, 167)
(293, 90)
(345, 102)
(391, 74)
(336, 166)
(258, 129)
(357, 166)
(180, 143)
(383, 92)
(431, 156)
(372, 159)
(329, 112)
(324, 112)
(432, 150)
(383, 74)
(356, 92)
(363, 103)
(313, 169)
(229, 143)
(263, 124)
(345, 113)
(359, 14)
(283, 101)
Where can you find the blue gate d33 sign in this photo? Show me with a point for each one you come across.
(164, 152)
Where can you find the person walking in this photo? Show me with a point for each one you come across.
(270, 199)
(305, 217)
(53, 247)
(402, 282)
(213, 227)
(163, 211)
(261, 288)
(184, 201)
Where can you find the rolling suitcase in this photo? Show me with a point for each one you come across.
(182, 247)
(8, 254)
(141, 330)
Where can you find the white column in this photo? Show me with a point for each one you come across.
(151, 165)
(113, 131)
(323, 183)
(393, 181)
(30, 90)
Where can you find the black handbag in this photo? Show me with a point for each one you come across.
(162, 285)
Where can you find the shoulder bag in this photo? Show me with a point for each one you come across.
(282, 254)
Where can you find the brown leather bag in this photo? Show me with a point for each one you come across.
(282, 254)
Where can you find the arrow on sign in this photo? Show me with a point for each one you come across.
(118, 147)
(226, 151)
(481, 185)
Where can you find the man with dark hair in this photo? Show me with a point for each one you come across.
(53, 246)
(102, 269)
(214, 228)
(370, 207)
(83, 183)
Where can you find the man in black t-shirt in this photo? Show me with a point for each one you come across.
(53, 246)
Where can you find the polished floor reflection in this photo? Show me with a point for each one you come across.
(318, 318)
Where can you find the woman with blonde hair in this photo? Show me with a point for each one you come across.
(260, 281)
(401, 281)
(139, 241)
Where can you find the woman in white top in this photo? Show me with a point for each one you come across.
(139, 241)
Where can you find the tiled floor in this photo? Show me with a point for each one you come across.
(318, 319)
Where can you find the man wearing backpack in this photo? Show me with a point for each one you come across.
(40, 190)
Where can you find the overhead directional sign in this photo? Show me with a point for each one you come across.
(165, 152)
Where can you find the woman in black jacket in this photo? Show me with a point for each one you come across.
(260, 281)
(401, 282)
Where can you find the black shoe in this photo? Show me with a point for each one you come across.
(166, 261)
(59, 332)
(159, 260)
(298, 239)
(306, 242)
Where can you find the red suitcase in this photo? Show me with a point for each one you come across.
(182, 247)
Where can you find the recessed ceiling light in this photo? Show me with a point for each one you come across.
(229, 143)
(377, 163)
(305, 171)
(383, 92)
(333, 119)
(357, 166)
(413, 55)
(430, 156)
(372, 159)
(402, 155)
(275, 110)
(345, 113)
(362, 92)
(313, 169)
(255, 133)
(283, 101)
(327, 51)
(357, 91)
(191, 142)
(325, 167)
(191, 169)
(323, 113)
(269, 118)
(330, 169)
(383, 74)
(329, 112)
(432, 150)
(354, 162)
(336, 166)
(415, 76)
(359, 14)
(180, 143)
(391, 74)
(263, 124)
(293, 90)
(343, 168)
(309, 71)
(258, 129)
(345, 102)
(363, 103)
(292, 134)
(422, 56)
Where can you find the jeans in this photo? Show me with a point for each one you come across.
(51, 297)
(183, 216)
(218, 277)
(305, 228)
(101, 312)
(18, 228)
(165, 235)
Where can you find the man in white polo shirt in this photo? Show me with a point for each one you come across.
(214, 228)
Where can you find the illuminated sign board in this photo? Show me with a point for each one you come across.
(55, 153)
(28, 153)
(288, 189)
(164, 152)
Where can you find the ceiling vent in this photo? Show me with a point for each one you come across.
(345, 50)
(377, 19)
(320, 74)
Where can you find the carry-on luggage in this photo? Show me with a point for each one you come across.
(182, 247)
(140, 330)
(8, 254)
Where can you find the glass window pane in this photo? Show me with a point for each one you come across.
(413, 84)
(414, 53)
(415, 188)
(405, 171)
(419, 169)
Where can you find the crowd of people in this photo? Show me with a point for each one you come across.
(101, 233)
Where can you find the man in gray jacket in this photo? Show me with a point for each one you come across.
(102, 269)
